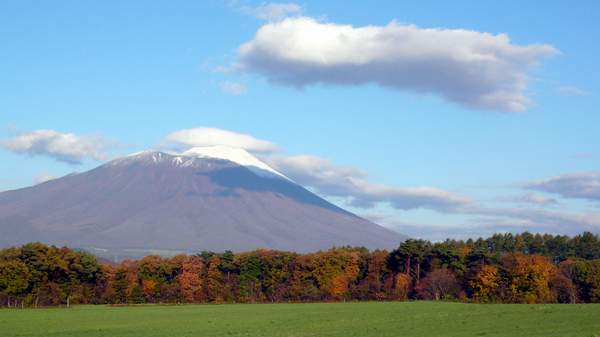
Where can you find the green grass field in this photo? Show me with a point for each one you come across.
(322, 319)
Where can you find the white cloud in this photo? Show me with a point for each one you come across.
(212, 136)
(353, 184)
(569, 90)
(42, 178)
(533, 198)
(65, 147)
(580, 185)
(275, 11)
(471, 68)
(348, 182)
(437, 231)
(542, 220)
(233, 88)
(485, 221)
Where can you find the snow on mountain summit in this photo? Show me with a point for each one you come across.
(236, 155)
(194, 155)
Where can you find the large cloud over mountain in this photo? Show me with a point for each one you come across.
(472, 68)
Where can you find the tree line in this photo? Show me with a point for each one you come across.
(504, 268)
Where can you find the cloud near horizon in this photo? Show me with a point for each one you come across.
(475, 69)
(547, 221)
(579, 185)
(333, 180)
(485, 221)
(64, 147)
(532, 198)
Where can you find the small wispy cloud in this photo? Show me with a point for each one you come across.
(276, 11)
(42, 178)
(533, 199)
(233, 88)
(568, 90)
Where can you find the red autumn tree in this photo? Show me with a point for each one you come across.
(190, 279)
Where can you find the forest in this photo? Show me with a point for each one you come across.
(504, 268)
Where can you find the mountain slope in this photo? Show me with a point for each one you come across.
(155, 200)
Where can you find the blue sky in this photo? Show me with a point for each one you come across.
(122, 76)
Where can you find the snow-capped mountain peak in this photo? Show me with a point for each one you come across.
(236, 155)
(194, 156)
(205, 199)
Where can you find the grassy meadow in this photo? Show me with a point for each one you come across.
(317, 319)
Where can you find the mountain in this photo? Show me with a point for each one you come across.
(211, 198)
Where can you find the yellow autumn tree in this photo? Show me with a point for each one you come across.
(485, 284)
(528, 278)
(402, 286)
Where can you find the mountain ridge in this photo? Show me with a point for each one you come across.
(157, 200)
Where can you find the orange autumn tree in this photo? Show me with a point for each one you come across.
(339, 270)
(325, 275)
(528, 278)
(190, 279)
(106, 286)
(149, 290)
(214, 280)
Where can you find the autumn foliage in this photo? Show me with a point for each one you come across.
(523, 268)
